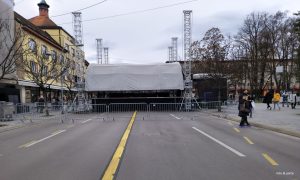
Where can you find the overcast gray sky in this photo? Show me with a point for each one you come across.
(144, 37)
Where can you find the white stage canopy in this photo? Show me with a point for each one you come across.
(134, 77)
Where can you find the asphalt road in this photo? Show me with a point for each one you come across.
(166, 145)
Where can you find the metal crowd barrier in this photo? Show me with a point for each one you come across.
(36, 111)
(164, 106)
(124, 107)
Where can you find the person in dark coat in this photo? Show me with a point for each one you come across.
(244, 108)
(41, 104)
(268, 99)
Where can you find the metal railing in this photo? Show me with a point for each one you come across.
(125, 107)
(37, 111)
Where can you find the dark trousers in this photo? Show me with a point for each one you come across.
(243, 121)
(268, 105)
(293, 105)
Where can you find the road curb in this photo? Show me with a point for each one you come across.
(278, 130)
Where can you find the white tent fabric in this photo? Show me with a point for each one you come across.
(129, 77)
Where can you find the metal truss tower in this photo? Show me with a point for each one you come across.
(99, 50)
(175, 52)
(79, 100)
(77, 27)
(170, 53)
(106, 60)
(187, 39)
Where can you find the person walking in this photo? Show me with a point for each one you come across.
(293, 100)
(41, 103)
(268, 99)
(276, 99)
(244, 108)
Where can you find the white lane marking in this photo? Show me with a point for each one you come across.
(221, 143)
(86, 121)
(174, 116)
(38, 141)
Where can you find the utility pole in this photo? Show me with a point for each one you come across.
(187, 38)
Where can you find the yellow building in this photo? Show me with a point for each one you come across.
(43, 38)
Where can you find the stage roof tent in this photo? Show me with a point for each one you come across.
(134, 77)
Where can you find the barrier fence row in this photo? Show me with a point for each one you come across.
(37, 111)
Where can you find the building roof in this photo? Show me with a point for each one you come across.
(42, 21)
(43, 18)
(28, 26)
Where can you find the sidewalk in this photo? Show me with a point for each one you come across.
(286, 121)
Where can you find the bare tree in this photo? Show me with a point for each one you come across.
(11, 48)
(42, 70)
(212, 50)
(212, 53)
(297, 31)
(249, 38)
(70, 83)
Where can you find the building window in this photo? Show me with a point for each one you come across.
(73, 52)
(33, 66)
(54, 73)
(45, 71)
(32, 45)
(62, 59)
(67, 47)
(44, 52)
(73, 66)
(54, 55)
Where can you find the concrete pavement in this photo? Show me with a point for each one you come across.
(286, 120)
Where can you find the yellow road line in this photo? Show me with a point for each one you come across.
(269, 159)
(248, 140)
(236, 129)
(114, 163)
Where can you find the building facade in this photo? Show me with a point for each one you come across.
(51, 55)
